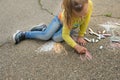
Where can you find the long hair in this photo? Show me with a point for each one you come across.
(68, 6)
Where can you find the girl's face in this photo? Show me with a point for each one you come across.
(79, 10)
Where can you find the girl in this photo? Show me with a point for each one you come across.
(76, 13)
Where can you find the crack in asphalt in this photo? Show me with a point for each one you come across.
(45, 8)
(4, 43)
(105, 16)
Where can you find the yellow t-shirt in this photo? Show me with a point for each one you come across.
(76, 22)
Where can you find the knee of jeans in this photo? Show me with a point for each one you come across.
(47, 37)
(56, 20)
(57, 39)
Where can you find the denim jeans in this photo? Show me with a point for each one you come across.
(54, 31)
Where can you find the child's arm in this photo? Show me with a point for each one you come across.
(71, 42)
(84, 25)
(66, 36)
(66, 32)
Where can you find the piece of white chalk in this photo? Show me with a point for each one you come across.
(96, 40)
(101, 47)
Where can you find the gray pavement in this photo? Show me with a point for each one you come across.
(21, 62)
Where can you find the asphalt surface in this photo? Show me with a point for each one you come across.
(21, 62)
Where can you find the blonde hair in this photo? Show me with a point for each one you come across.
(68, 7)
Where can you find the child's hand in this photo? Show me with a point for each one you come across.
(81, 41)
(80, 49)
(87, 56)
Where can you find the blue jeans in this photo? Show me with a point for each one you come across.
(54, 31)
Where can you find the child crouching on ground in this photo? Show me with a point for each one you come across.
(76, 13)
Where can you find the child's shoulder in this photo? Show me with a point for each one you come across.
(90, 2)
